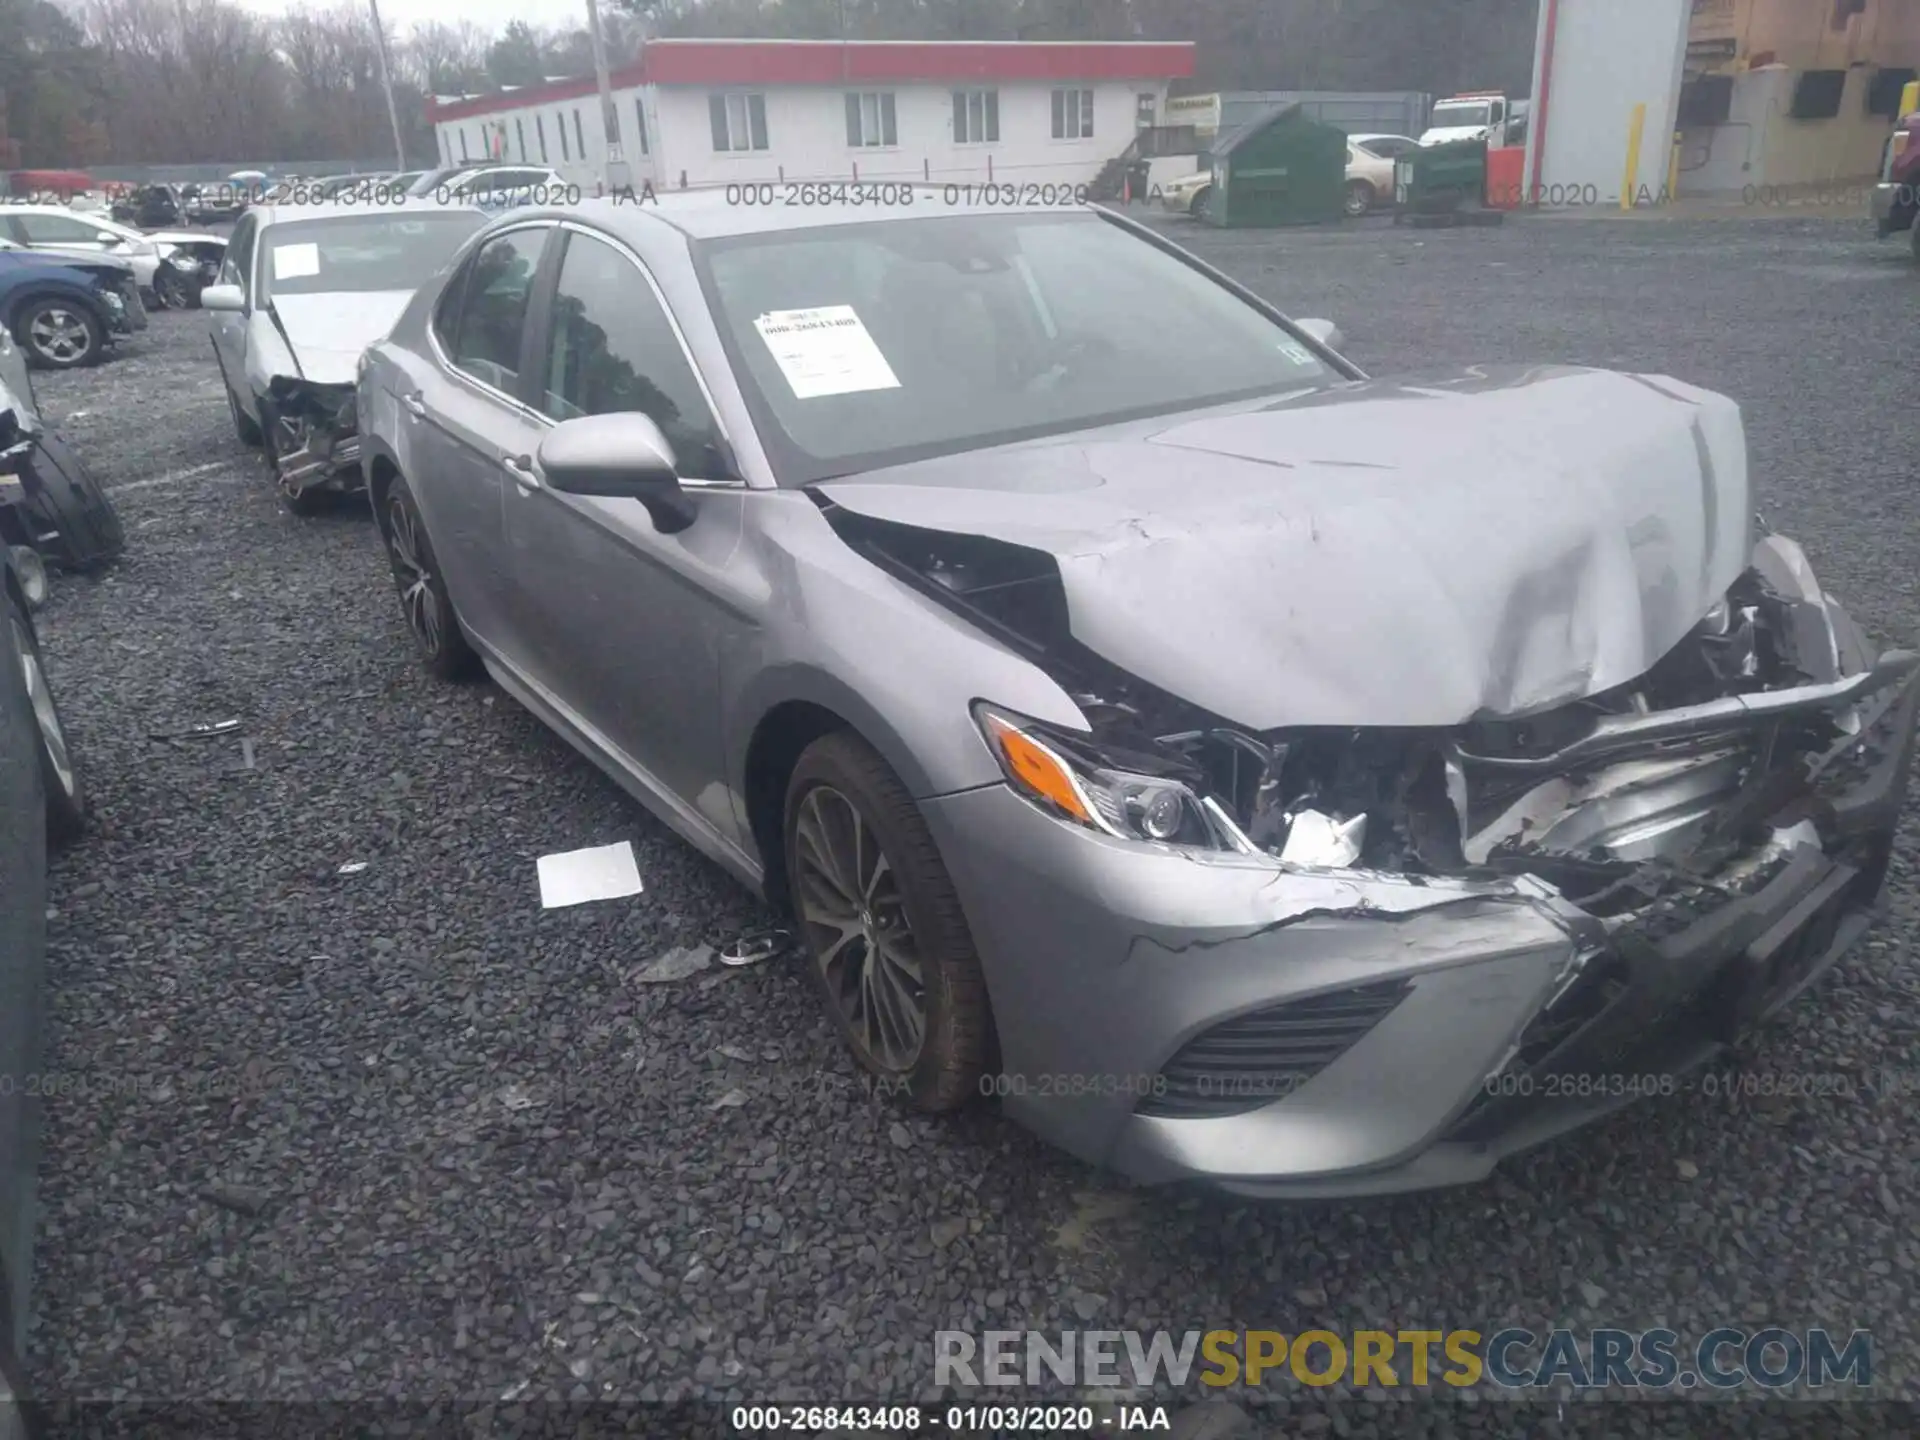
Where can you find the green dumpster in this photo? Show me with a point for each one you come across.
(1438, 179)
(1282, 168)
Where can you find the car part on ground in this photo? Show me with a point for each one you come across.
(1313, 781)
(49, 501)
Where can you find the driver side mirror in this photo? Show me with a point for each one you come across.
(1324, 331)
(230, 298)
(619, 456)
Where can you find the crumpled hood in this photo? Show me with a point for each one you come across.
(1375, 553)
(328, 332)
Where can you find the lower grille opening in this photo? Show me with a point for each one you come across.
(1266, 1055)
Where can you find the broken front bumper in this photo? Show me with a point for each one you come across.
(1296, 1033)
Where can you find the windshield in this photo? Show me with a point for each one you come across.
(859, 346)
(361, 252)
(1459, 114)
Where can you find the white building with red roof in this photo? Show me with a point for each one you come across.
(719, 112)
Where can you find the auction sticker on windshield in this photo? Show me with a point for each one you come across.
(825, 351)
(294, 262)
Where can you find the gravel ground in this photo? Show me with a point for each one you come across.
(401, 1134)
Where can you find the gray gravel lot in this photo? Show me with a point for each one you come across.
(352, 1057)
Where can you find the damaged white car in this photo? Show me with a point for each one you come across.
(301, 293)
(1240, 768)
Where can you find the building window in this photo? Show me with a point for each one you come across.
(579, 135)
(520, 133)
(1073, 114)
(739, 121)
(976, 116)
(640, 119)
(1145, 111)
(463, 144)
(565, 153)
(540, 129)
(870, 119)
(1845, 10)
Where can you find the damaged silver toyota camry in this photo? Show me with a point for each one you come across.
(1241, 768)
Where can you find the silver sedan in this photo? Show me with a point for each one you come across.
(1240, 768)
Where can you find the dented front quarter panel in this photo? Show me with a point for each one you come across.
(1383, 554)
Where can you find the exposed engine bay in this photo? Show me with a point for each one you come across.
(1699, 772)
(315, 435)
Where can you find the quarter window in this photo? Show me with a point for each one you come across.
(976, 116)
(739, 122)
(870, 119)
(493, 308)
(612, 349)
(1072, 114)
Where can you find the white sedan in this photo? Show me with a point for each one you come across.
(61, 231)
(1370, 169)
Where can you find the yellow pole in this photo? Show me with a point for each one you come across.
(1634, 132)
(1910, 98)
(1673, 170)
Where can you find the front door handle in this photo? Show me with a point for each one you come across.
(416, 407)
(521, 468)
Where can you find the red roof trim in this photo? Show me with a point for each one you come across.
(862, 62)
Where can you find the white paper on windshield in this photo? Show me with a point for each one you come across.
(292, 262)
(825, 351)
(1296, 352)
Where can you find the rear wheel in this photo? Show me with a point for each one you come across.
(882, 927)
(59, 334)
(423, 590)
(66, 802)
(1360, 197)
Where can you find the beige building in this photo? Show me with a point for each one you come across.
(1791, 92)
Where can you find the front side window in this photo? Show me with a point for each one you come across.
(870, 119)
(873, 344)
(976, 117)
(739, 122)
(58, 230)
(1072, 114)
(492, 318)
(612, 349)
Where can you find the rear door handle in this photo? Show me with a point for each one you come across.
(416, 407)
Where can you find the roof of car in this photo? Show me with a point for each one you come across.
(714, 213)
(338, 210)
(1383, 135)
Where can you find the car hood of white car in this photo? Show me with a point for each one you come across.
(328, 332)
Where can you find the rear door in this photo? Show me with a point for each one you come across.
(468, 423)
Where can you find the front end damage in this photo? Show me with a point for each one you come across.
(315, 437)
(1399, 955)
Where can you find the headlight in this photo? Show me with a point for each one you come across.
(1068, 777)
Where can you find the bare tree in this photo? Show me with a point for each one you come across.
(445, 59)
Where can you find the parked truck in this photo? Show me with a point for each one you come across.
(1489, 115)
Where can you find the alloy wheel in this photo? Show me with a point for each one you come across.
(59, 335)
(851, 902)
(417, 596)
(41, 700)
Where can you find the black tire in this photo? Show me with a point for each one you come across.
(956, 1022)
(1197, 207)
(443, 644)
(52, 314)
(1913, 237)
(304, 503)
(169, 290)
(244, 425)
(65, 500)
(60, 775)
(1360, 198)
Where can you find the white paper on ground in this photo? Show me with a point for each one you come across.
(573, 877)
(825, 351)
(292, 262)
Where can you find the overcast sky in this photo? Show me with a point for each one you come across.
(490, 15)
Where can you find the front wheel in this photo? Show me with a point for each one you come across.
(59, 334)
(423, 590)
(1359, 197)
(172, 292)
(882, 927)
(66, 801)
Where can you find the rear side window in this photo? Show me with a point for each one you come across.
(612, 349)
(492, 301)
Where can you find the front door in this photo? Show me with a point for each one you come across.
(626, 624)
(229, 328)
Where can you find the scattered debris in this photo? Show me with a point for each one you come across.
(1688, 1170)
(514, 1392)
(901, 1137)
(755, 947)
(1091, 1208)
(246, 754)
(246, 1200)
(198, 732)
(676, 964)
(734, 1052)
(515, 1098)
(352, 867)
(1312, 1296)
(1591, 1293)
(732, 1100)
(600, 872)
